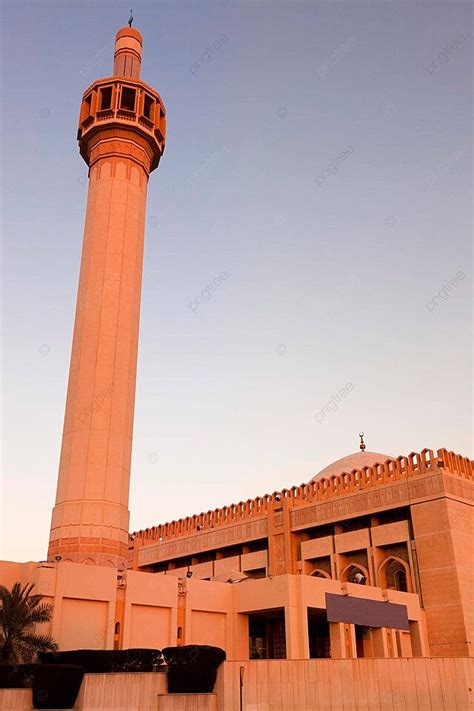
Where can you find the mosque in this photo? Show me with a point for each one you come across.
(372, 558)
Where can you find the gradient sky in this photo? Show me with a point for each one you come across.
(327, 284)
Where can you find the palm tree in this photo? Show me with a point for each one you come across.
(20, 611)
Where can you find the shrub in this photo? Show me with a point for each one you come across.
(192, 668)
(138, 660)
(16, 676)
(56, 686)
(102, 661)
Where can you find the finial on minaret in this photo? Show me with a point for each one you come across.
(130, 19)
(362, 443)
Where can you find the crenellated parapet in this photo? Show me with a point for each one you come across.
(377, 475)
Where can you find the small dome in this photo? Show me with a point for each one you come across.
(350, 462)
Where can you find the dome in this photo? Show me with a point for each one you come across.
(357, 460)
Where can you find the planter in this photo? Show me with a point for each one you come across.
(16, 676)
(192, 668)
(56, 686)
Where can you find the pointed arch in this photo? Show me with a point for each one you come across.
(320, 573)
(394, 574)
(347, 574)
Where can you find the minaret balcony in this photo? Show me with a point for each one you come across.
(121, 101)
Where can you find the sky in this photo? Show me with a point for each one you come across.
(319, 154)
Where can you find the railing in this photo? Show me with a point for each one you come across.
(102, 115)
(339, 485)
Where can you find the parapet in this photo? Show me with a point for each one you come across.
(415, 464)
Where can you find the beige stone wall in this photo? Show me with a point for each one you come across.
(15, 699)
(445, 561)
(121, 692)
(74, 632)
(91, 602)
(208, 628)
(187, 702)
(461, 525)
(351, 685)
(441, 684)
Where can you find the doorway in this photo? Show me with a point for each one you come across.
(364, 642)
(267, 635)
(318, 634)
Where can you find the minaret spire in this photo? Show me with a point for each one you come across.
(128, 52)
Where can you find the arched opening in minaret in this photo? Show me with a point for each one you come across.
(105, 98)
(148, 107)
(127, 100)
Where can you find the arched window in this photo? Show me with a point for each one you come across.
(355, 574)
(395, 575)
(318, 573)
(400, 579)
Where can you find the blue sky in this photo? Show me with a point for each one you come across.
(333, 263)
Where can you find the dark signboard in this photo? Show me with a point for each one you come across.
(370, 613)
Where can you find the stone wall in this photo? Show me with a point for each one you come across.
(428, 684)
(349, 684)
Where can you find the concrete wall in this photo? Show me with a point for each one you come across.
(187, 702)
(434, 684)
(99, 607)
(102, 692)
(121, 692)
(15, 699)
(150, 611)
(88, 601)
(297, 593)
(444, 545)
(349, 685)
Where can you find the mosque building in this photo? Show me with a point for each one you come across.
(370, 558)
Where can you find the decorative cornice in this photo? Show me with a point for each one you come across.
(119, 142)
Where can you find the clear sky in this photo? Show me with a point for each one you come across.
(333, 262)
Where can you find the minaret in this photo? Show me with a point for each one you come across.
(121, 138)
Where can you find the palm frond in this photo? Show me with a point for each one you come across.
(39, 642)
(20, 612)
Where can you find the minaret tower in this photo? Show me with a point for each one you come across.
(121, 138)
